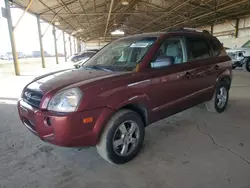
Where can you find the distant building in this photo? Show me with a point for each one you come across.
(38, 54)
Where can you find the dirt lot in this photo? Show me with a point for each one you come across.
(193, 149)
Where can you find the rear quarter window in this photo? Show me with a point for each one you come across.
(216, 46)
(198, 48)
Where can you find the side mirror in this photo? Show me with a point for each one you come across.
(77, 66)
(162, 61)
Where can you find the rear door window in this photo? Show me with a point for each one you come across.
(198, 48)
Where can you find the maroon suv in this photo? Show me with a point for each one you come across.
(129, 84)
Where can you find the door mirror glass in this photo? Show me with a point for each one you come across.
(162, 61)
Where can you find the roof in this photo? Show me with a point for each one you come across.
(90, 20)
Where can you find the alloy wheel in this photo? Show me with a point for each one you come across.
(221, 97)
(126, 138)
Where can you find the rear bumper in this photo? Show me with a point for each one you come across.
(64, 129)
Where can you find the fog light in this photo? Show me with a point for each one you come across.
(47, 121)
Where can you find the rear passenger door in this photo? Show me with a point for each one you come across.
(202, 60)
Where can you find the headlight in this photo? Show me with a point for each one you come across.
(66, 101)
(240, 56)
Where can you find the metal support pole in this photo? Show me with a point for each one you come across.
(236, 33)
(70, 46)
(54, 33)
(40, 40)
(78, 46)
(64, 47)
(212, 29)
(12, 38)
(74, 40)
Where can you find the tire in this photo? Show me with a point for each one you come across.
(214, 105)
(233, 66)
(247, 65)
(114, 132)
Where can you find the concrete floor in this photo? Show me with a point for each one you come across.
(193, 149)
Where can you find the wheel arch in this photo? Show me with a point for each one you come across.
(226, 79)
(139, 108)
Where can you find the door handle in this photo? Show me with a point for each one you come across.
(216, 67)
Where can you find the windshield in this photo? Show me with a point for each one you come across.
(246, 45)
(121, 55)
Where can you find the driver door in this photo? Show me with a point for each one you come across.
(172, 83)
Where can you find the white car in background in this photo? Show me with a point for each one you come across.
(81, 62)
(240, 56)
(82, 56)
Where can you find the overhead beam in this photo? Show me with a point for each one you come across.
(24, 12)
(112, 13)
(110, 10)
(199, 6)
(65, 7)
(122, 16)
(56, 7)
(41, 1)
(83, 9)
(199, 16)
(164, 15)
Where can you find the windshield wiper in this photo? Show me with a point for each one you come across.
(96, 67)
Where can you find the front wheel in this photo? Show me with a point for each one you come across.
(122, 137)
(220, 98)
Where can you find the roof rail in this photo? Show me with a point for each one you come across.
(186, 29)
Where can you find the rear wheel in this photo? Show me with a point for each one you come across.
(122, 138)
(220, 98)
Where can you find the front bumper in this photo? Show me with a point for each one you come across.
(64, 129)
(240, 63)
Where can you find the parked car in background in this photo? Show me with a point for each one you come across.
(82, 56)
(80, 63)
(241, 56)
(130, 83)
(4, 57)
(20, 55)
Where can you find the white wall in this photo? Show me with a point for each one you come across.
(94, 45)
(225, 32)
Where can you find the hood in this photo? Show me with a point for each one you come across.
(60, 79)
(238, 49)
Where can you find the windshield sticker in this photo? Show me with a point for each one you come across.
(139, 45)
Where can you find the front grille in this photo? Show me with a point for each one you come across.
(32, 97)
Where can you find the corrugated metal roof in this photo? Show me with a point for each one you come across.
(88, 18)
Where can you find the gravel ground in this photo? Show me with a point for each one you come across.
(193, 149)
